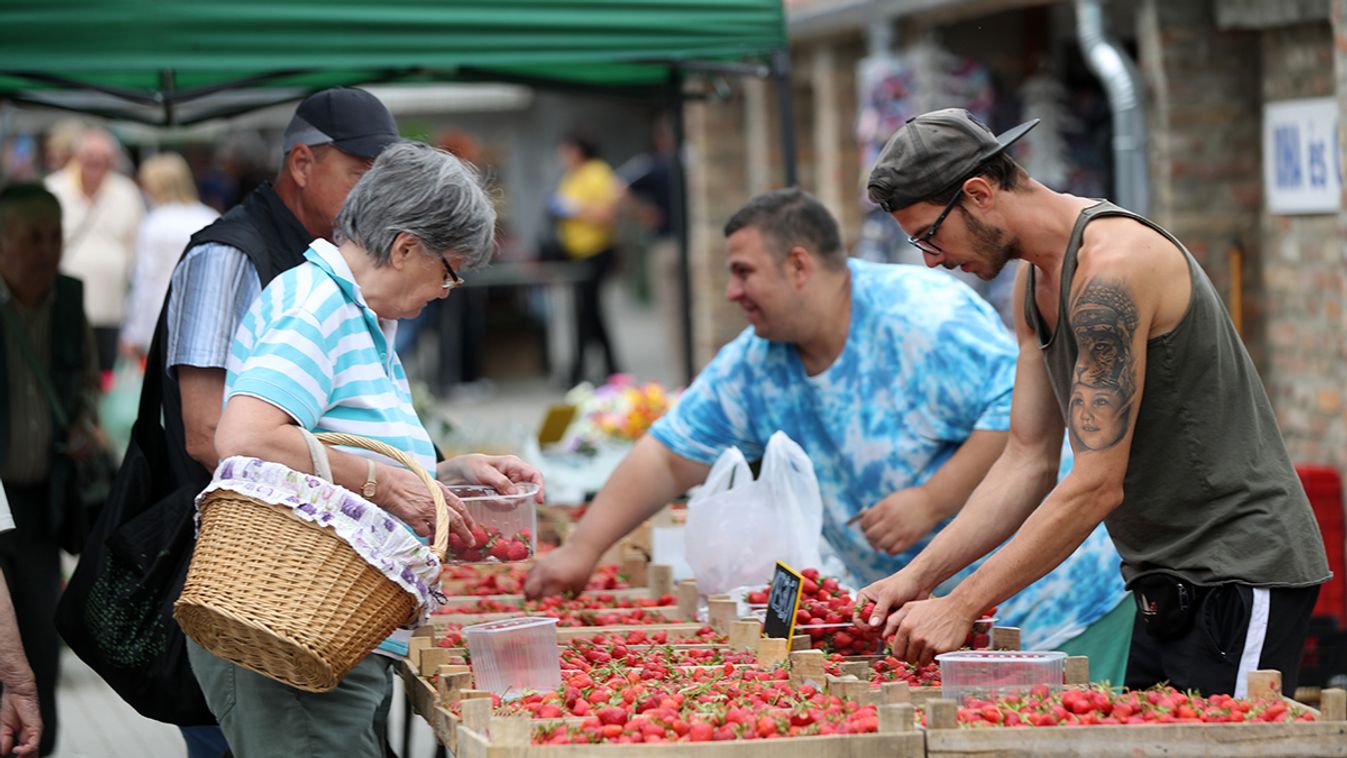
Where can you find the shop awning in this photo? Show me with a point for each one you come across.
(166, 61)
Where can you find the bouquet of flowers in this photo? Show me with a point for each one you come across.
(618, 412)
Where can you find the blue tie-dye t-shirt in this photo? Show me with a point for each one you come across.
(927, 362)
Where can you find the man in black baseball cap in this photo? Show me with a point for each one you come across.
(331, 141)
(349, 119)
(1125, 345)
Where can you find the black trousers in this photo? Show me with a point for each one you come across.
(590, 325)
(31, 561)
(105, 340)
(1210, 655)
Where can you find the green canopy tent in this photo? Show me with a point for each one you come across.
(178, 62)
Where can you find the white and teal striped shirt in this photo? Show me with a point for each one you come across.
(312, 347)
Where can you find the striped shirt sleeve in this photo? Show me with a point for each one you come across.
(282, 355)
(211, 290)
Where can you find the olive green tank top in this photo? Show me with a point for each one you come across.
(1210, 494)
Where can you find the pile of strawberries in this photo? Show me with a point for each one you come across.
(728, 703)
(451, 635)
(468, 579)
(562, 603)
(585, 655)
(824, 604)
(703, 636)
(890, 669)
(1099, 705)
(491, 545)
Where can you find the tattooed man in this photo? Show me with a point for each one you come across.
(1125, 343)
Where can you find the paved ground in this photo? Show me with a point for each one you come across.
(95, 723)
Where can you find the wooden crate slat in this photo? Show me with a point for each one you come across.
(1307, 739)
(472, 744)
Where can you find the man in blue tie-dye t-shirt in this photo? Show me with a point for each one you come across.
(894, 379)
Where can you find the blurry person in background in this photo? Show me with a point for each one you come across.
(176, 214)
(60, 143)
(48, 389)
(100, 213)
(585, 207)
(242, 162)
(648, 197)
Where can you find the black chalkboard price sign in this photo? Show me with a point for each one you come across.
(783, 602)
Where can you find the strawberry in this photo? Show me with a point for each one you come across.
(516, 551)
(500, 551)
(701, 732)
(479, 534)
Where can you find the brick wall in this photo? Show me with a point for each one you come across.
(717, 185)
(1205, 138)
(1302, 273)
(1208, 85)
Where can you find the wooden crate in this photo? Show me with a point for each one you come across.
(1327, 737)
(485, 737)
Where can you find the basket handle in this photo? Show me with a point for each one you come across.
(318, 454)
(440, 544)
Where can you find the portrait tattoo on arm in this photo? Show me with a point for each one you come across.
(1103, 320)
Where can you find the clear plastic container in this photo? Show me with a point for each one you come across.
(512, 656)
(507, 525)
(995, 674)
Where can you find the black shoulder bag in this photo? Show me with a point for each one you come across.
(116, 613)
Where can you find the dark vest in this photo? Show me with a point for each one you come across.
(274, 241)
(1210, 494)
(67, 343)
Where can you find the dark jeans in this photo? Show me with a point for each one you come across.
(1208, 656)
(31, 561)
(590, 327)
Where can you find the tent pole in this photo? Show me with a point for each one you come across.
(166, 84)
(781, 76)
(678, 203)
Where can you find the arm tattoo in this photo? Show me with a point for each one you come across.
(1104, 320)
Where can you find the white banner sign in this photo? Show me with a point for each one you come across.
(1302, 172)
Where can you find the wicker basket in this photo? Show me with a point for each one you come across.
(289, 599)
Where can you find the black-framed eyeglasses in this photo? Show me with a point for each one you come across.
(451, 278)
(924, 243)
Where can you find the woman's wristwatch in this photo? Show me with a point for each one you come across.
(370, 482)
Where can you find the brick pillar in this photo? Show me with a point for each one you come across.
(1204, 121)
(718, 184)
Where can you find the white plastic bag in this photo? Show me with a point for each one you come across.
(739, 528)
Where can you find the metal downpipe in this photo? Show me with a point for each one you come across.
(1124, 87)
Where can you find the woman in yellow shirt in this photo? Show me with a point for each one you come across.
(585, 205)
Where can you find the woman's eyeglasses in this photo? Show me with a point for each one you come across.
(451, 279)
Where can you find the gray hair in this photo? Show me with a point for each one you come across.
(427, 193)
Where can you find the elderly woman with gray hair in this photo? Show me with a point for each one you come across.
(316, 351)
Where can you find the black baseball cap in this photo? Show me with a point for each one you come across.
(351, 120)
(931, 152)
